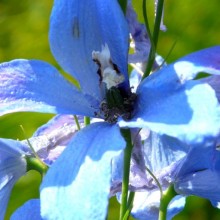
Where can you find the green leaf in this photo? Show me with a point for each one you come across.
(26, 188)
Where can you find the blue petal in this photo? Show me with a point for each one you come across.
(56, 123)
(169, 104)
(204, 183)
(51, 139)
(175, 206)
(37, 86)
(77, 185)
(198, 158)
(146, 205)
(30, 210)
(161, 151)
(214, 82)
(160, 154)
(12, 167)
(79, 27)
(200, 164)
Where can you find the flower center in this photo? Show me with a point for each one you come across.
(115, 104)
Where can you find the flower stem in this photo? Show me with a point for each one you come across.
(168, 195)
(86, 120)
(36, 164)
(156, 180)
(77, 122)
(155, 36)
(126, 170)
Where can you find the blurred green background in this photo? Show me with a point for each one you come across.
(24, 24)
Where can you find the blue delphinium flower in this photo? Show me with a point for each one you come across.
(161, 155)
(192, 170)
(48, 142)
(199, 174)
(89, 39)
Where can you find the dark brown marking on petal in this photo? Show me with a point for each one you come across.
(76, 32)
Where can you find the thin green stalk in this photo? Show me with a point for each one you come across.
(77, 122)
(144, 11)
(86, 120)
(130, 204)
(126, 170)
(168, 195)
(155, 37)
(157, 182)
(29, 143)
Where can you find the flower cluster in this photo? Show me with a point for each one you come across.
(173, 131)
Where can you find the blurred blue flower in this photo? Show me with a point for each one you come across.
(199, 174)
(160, 154)
(94, 51)
(173, 163)
(12, 167)
(48, 142)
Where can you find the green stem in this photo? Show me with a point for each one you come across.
(86, 120)
(144, 11)
(130, 204)
(123, 4)
(77, 122)
(36, 164)
(156, 180)
(29, 143)
(152, 54)
(126, 171)
(168, 195)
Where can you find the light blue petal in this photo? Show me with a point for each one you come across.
(169, 104)
(162, 151)
(77, 185)
(79, 27)
(37, 86)
(214, 82)
(175, 206)
(29, 211)
(199, 158)
(57, 123)
(199, 174)
(160, 154)
(12, 167)
(146, 205)
(204, 183)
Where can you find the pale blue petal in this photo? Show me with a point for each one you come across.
(12, 167)
(37, 86)
(51, 139)
(30, 210)
(139, 36)
(203, 183)
(77, 185)
(146, 205)
(175, 206)
(169, 104)
(162, 151)
(199, 158)
(202, 163)
(57, 123)
(214, 82)
(79, 27)
(160, 154)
